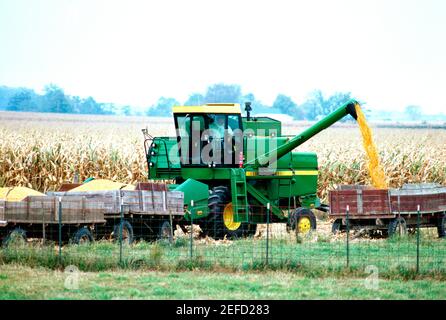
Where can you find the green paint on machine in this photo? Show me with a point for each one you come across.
(256, 166)
(195, 198)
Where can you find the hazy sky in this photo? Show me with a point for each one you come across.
(388, 53)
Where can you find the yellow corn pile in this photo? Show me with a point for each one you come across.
(375, 169)
(18, 193)
(102, 185)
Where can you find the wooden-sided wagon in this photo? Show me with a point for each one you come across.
(391, 211)
(149, 212)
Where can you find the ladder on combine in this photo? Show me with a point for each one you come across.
(239, 195)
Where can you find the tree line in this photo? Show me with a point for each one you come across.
(53, 99)
(316, 105)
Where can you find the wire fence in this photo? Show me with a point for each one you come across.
(167, 242)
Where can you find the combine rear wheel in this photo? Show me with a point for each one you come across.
(302, 220)
(220, 222)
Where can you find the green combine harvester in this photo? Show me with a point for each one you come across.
(237, 172)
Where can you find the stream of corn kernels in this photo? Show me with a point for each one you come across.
(375, 169)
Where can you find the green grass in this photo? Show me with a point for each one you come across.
(392, 258)
(19, 282)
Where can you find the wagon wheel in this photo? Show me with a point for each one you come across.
(127, 232)
(397, 227)
(84, 239)
(17, 237)
(82, 236)
(165, 231)
(336, 226)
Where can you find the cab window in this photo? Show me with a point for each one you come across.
(197, 131)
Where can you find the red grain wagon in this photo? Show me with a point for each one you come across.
(149, 212)
(390, 210)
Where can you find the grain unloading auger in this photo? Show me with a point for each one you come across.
(233, 170)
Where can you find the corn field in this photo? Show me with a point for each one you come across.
(43, 151)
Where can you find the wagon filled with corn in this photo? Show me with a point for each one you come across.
(96, 209)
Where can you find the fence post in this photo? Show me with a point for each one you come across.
(191, 230)
(171, 227)
(267, 232)
(121, 222)
(43, 225)
(60, 230)
(418, 238)
(348, 234)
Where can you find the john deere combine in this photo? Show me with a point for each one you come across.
(236, 172)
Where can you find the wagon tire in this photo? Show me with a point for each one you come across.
(82, 236)
(397, 227)
(336, 227)
(16, 233)
(127, 232)
(165, 231)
